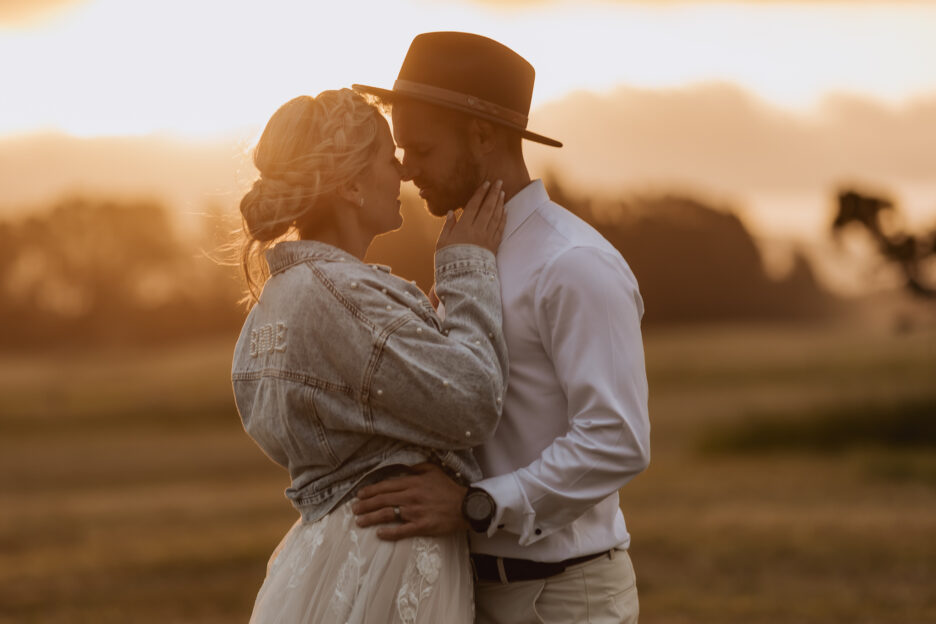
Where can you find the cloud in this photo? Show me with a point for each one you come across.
(26, 12)
(778, 168)
(719, 136)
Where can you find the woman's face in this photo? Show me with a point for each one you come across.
(381, 186)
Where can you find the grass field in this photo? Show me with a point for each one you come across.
(130, 493)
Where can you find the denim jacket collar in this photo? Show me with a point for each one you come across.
(289, 253)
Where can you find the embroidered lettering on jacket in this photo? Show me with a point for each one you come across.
(268, 338)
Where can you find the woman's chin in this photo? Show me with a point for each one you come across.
(394, 225)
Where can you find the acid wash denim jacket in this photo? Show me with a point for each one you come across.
(343, 370)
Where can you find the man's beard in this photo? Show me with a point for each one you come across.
(455, 192)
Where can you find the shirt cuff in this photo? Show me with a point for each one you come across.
(514, 512)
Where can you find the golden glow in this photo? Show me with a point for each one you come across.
(212, 67)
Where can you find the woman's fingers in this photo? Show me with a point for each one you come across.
(480, 212)
(496, 224)
(489, 205)
(471, 208)
(497, 211)
(479, 221)
(446, 232)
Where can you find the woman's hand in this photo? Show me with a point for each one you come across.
(481, 223)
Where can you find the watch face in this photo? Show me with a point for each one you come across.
(478, 506)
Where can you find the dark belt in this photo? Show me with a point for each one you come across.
(489, 567)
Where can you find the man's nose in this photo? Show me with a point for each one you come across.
(407, 170)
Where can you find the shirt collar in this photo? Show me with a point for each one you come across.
(524, 204)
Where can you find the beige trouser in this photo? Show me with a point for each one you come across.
(599, 591)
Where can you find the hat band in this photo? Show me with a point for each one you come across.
(461, 100)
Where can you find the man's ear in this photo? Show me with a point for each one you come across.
(482, 136)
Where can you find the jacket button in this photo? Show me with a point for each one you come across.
(538, 531)
(380, 393)
(445, 382)
(467, 434)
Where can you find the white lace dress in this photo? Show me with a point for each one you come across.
(332, 571)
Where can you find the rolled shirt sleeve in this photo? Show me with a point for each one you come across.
(588, 312)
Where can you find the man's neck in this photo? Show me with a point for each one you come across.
(514, 174)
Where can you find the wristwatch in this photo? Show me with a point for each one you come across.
(478, 509)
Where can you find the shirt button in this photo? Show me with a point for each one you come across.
(445, 382)
(380, 393)
(499, 399)
(458, 475)
(467, 434)
(383, 290)
(419, 330)
(389, 307)
(477, 342)
(353, 284)
(490, 334)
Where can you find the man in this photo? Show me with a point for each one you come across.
(548, 538)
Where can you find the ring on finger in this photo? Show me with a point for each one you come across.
(396, 514)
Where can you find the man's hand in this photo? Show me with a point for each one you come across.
(429, 502)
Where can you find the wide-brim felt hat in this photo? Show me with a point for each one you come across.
(468, 73)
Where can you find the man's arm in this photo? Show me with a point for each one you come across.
(588, 313)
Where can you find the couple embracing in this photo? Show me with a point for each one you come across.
(429, 488)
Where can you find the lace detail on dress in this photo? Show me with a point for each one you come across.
(421, 573)
(307, 543)
(348, 583)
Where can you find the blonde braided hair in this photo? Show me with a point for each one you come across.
(309, 149)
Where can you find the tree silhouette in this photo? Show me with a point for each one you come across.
(907, 251)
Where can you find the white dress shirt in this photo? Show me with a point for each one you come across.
(574, 427)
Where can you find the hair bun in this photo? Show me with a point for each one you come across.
(263, 211)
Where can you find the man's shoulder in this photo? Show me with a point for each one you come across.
(569, 231)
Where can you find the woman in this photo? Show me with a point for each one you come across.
(345, 375)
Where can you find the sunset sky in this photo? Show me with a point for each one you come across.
(765, 106)
(208, 67)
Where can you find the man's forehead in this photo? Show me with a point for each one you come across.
(417, 121)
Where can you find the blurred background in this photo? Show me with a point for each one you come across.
(768, 169)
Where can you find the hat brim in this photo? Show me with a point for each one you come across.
(390, 96)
